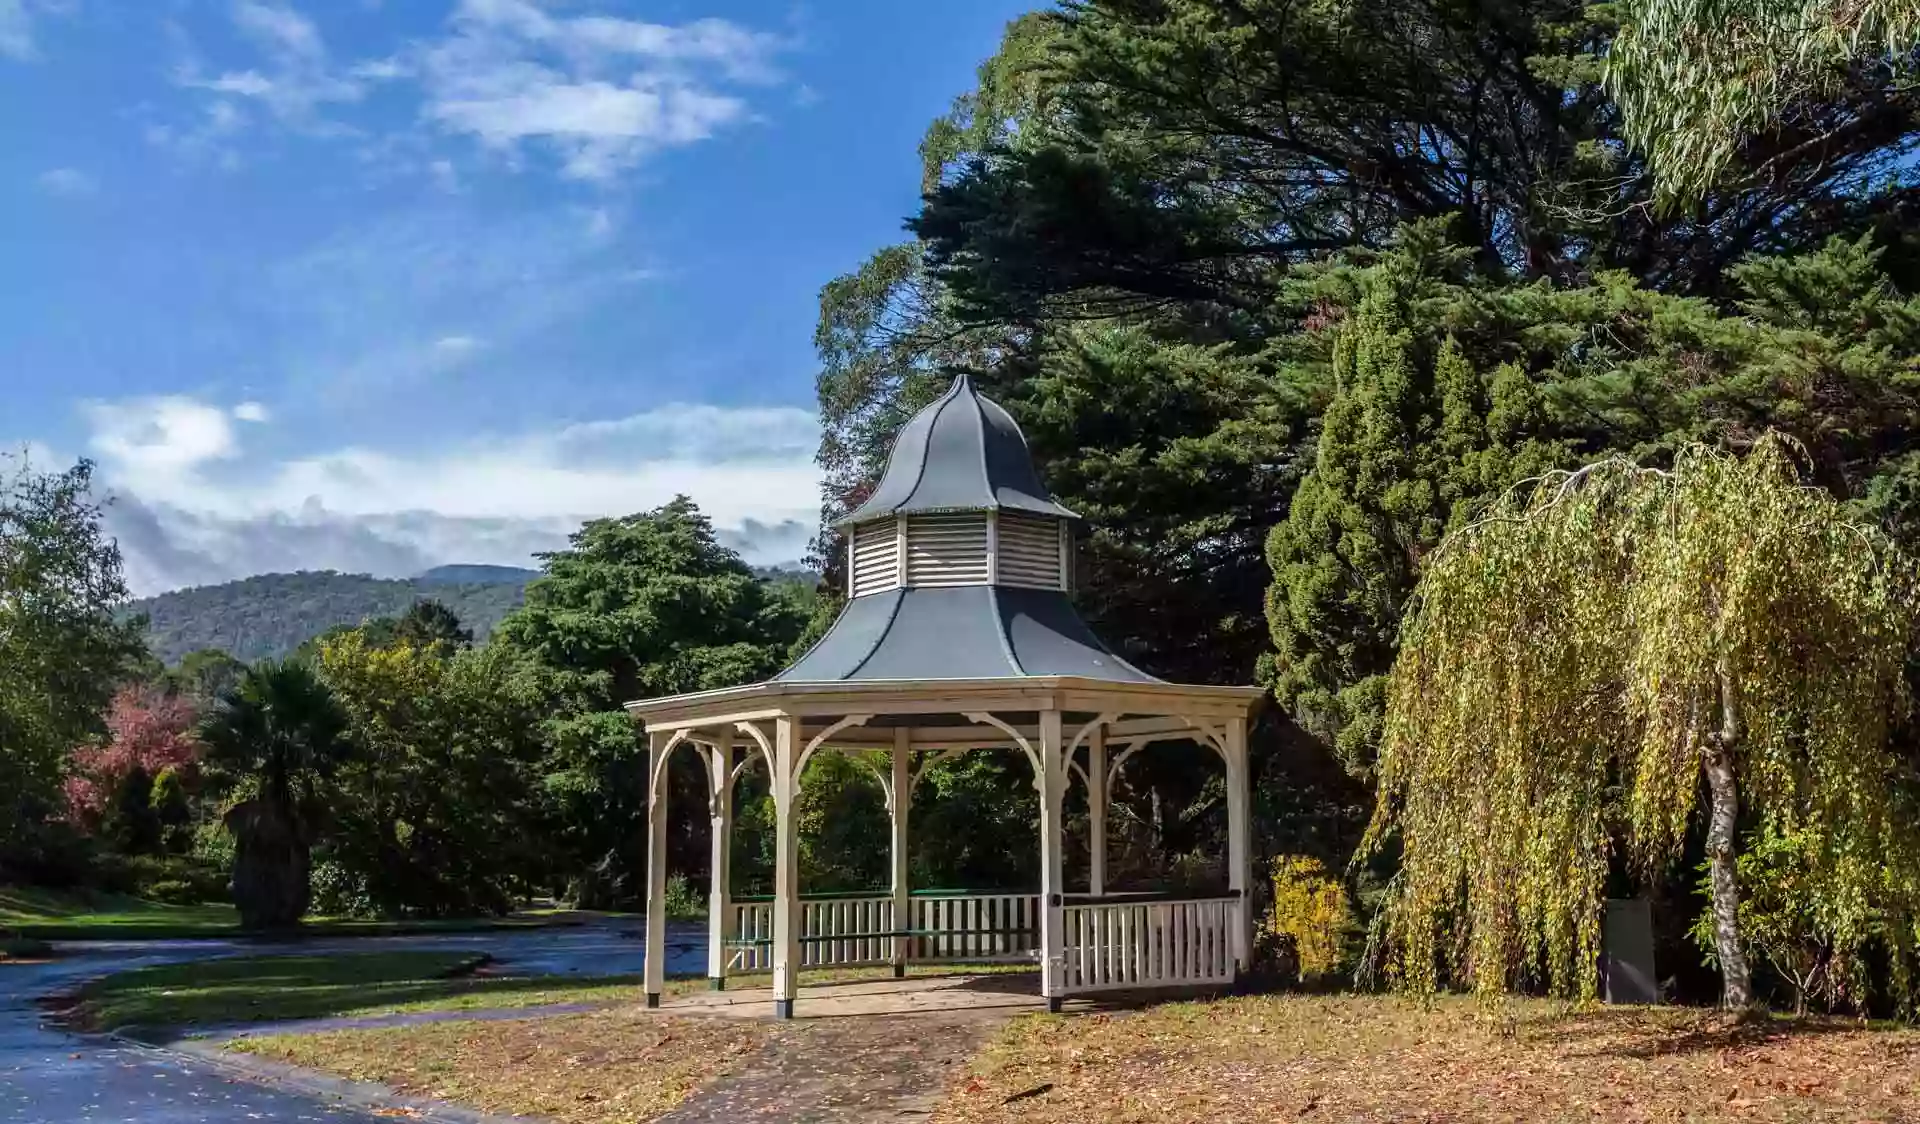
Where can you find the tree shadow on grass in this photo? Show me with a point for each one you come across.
(285, 988)
(1643, 1033)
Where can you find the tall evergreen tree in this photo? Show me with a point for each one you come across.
(636, 607)
(429, 624)
(62, 653)
(1412, 439)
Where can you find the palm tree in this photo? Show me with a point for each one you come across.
(273, 741)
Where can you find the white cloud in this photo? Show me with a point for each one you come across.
(250, 412)
(16, 30)
(245, 83)
(68, 183)
(211, 138)
(298, 76)
(600, 92)
(456, 345)
(198, 510)
(280, 28)
(17, 25)
(159, 440)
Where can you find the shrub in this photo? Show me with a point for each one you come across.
(1311, 915)
(172, 810)
(189, 880)
(173, 891)
(684, 903)
(339, 892)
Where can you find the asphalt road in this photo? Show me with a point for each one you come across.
(51, 1077)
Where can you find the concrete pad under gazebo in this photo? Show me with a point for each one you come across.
(959, 635)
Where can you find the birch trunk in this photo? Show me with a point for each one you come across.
(1735, 974)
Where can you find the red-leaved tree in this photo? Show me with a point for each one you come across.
(146, 730)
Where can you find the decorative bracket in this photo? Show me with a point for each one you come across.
(981, 718)
(820, 738)
(659, 770)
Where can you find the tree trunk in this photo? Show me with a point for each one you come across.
(270, 866)
(1735, 974)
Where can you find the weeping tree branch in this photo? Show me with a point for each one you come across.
(1584, 660)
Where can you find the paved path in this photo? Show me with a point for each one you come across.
(50, 1077)
(859, 1053)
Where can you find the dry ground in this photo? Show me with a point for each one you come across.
(1364, 1058)
(620, 1065)
(1285, 1058)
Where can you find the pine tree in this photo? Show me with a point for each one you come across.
(1413, 439)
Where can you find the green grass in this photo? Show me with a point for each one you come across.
(276, 988)
(256, 988)
(79, 915)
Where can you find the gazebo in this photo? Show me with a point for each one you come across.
(958, 635)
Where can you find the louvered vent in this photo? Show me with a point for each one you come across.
(1027, 552)
(876, 557)
(947, 549)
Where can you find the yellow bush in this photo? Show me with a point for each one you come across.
(1310, 908)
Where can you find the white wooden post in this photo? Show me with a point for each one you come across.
(899, 804)
(1052, 863)
(655, 971)
(786, 866)
(720, 895)
(1097, 811)
(1239, 842)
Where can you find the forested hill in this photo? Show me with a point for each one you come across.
(270, 615)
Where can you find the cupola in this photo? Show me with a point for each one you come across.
(959, 563)
(959, 504)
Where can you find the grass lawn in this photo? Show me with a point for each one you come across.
(76, 915)
(599, 1068)
(1338, 1058)
(70, 915)
(246, 989)
(256, 988)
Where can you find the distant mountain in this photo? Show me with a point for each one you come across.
(475, 574)
(272, 614)
(787, 572)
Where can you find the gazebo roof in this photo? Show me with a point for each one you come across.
(959, 568)
(960, 632)
(962, 453)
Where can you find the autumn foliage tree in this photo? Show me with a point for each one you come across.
(148, 733)
(1604, 647)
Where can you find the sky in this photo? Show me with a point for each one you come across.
(377, 285)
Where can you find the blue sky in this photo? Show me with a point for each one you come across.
(377, 284)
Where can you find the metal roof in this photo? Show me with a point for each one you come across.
(962, 453)
(960, 632)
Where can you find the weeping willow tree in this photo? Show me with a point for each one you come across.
(1612, 653)
(1696, 79)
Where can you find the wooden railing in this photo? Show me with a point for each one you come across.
(1111, 943)
(958, 925)
(844, 930)
(1144, 942)
(836, 931)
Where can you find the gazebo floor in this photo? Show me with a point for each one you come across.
(998, 993)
